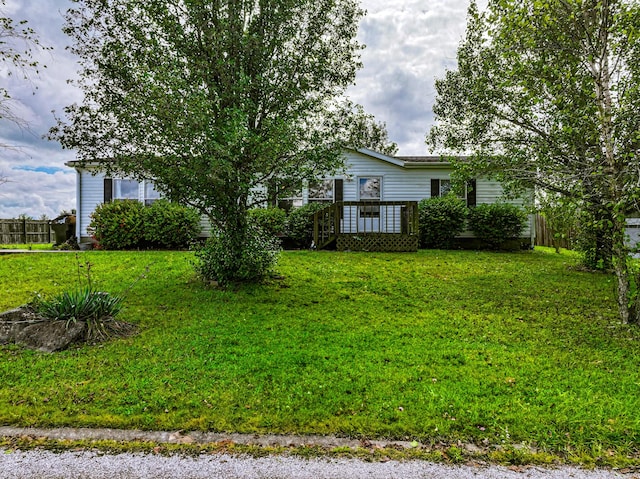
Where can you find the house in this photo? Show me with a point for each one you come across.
(375, 192)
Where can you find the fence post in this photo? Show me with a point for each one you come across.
(24, 230)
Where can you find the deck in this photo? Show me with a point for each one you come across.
(367, 226)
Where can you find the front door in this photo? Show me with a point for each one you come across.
(370, 193)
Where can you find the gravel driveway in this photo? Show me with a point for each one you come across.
(43, 464)
(92, 465)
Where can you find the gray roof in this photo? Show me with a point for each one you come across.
(421, 159)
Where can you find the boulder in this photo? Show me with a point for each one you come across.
(26, 327)
(14, 321)
(50, 336)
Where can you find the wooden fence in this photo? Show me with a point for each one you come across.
(26, 232)
(544, 235)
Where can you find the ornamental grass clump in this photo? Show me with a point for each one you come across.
(97, 309)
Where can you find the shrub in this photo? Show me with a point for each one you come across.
(441, 219)
(128, 224)
(270, 220)
(299, 226)
(218, 261)
(170, 225)
(594, 242)
(118, 225)
(496, 223)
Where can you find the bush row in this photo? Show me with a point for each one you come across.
(128, 224)
(443, 218)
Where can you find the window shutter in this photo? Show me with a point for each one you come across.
(471, 193)
(435, 188)
(108, 190)
(338, 187)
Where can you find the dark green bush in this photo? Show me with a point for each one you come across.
(170, 225)
(128, 224)
(118, 225)
(299, 226)
(270, 220)
(217, 260)
(441, 219)
(496, 223)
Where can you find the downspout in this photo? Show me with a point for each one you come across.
(78, 203)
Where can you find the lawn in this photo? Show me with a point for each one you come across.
(496, 348)
(31, 246)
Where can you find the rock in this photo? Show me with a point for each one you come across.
(50, 336)
(12, 322)
(26, 327)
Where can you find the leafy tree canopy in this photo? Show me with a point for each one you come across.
(211, 98)
(547, 94)
(358, 129)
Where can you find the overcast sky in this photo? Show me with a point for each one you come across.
(409, 43)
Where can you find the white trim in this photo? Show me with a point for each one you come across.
(380, 156)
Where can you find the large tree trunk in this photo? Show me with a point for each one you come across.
(621, 268)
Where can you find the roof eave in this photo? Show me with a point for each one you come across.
(431, 164)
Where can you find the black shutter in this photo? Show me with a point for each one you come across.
(108, 190)
(471, 193)
(338, 186)
(435, 188)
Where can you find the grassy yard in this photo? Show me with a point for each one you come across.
(498, 348)
(31, 246)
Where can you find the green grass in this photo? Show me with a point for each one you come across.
(491, 348)
(31, 246)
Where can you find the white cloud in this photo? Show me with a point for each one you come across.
(410, 43)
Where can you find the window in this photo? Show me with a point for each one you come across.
(125, 189)
(321, 191)
(150, 193)
(369, 190)
(128, 189)
(443, 187)
(292, 200)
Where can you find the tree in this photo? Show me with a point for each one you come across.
(359, 129)
(18, 43)
(561, 215)
(211, 98)
(547, 95)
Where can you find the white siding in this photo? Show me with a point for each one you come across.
(490, 191)
(398, 184)
(414, 184)
(91, 194)
(633, 234)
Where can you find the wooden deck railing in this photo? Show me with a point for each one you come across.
(364, 217)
